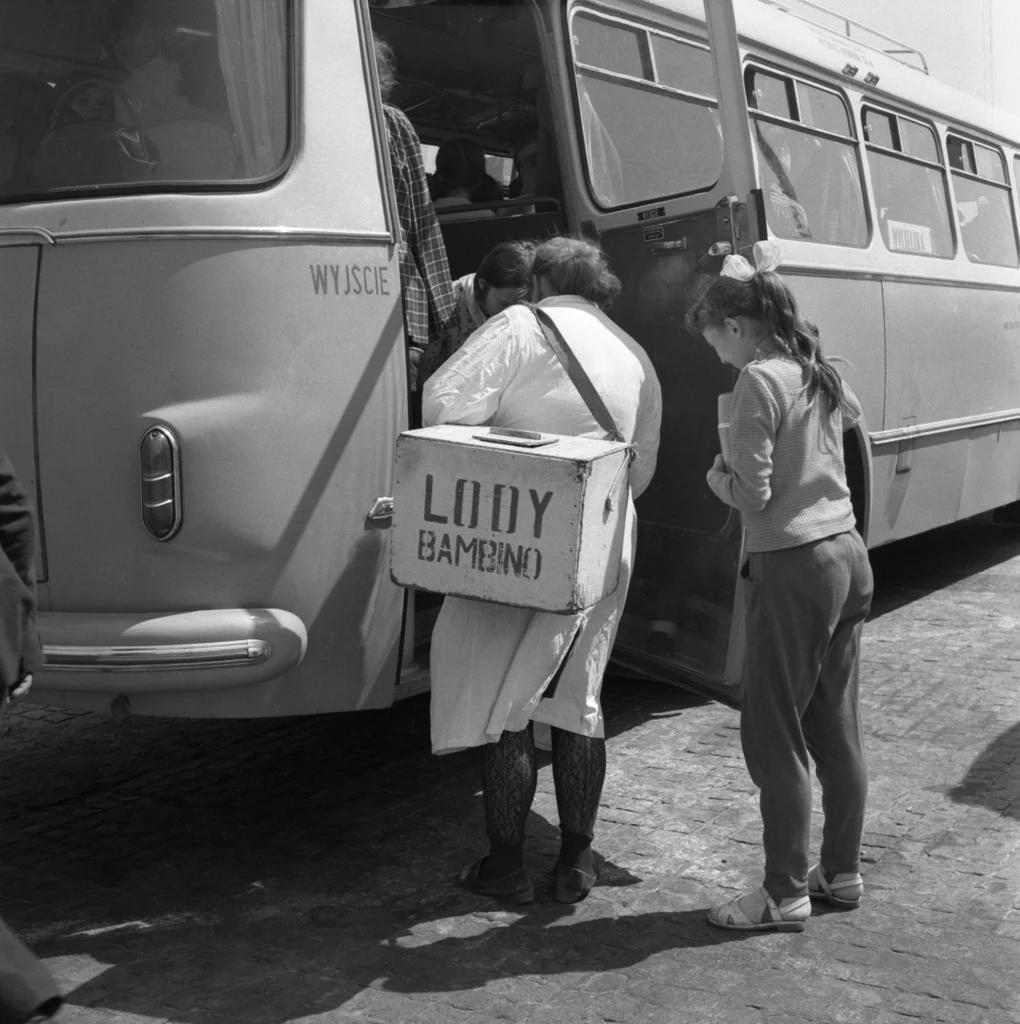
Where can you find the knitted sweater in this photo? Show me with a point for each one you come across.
(787, 474)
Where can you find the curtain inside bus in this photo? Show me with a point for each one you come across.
(252, 41)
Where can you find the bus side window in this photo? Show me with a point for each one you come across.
(807, 159)
(650, 139)
(983, 206)
(909, 184)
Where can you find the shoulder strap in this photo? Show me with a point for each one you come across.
(576, 372)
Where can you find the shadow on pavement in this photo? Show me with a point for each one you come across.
(993, 780)
(909, 569)
(211, 870)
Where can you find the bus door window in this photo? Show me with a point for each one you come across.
(647, 111)
(909, 184)
(473, 75)
(808, 162)
(984, 210)
(142, 93)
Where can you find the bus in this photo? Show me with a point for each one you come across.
(203, 340)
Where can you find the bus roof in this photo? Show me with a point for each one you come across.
(765, 26)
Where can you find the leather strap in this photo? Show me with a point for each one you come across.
(576, 372)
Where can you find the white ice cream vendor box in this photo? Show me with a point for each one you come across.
(516, 517)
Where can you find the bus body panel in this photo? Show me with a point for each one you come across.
(279, 367)
(848, 312)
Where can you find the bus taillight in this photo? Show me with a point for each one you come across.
(159, 455)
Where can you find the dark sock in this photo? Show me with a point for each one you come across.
(575, 851)
(501, 861)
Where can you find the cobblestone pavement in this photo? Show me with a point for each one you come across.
(299, 870)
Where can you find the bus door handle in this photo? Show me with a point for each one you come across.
(380, 513)
(661, 247)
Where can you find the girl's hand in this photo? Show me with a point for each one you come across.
(23, 687)
(719, 465)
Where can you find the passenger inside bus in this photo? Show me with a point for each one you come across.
(461, 180)
(474, 72)
(192, 142)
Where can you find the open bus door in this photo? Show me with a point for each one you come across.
(658, 148)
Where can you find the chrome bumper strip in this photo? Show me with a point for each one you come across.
(166, 657)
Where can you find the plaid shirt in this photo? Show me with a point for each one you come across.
(424, 271)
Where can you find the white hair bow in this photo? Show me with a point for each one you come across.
(767, 256)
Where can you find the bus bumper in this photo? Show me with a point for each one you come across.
(95, 652)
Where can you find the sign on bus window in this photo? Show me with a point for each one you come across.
(811, 182)
(647, 139)
(140, 94)
(909, 185)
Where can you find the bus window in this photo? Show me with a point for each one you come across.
(909, 184)
(649, 131)
(807, 158)
(983, 206)
(135, 93)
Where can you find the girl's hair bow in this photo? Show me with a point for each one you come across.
(767, 256)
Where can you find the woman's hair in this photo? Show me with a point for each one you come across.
(506, 265)
(385, 64)
(767, 299)
(575, 266)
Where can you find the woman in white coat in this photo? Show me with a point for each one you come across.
(496, 669)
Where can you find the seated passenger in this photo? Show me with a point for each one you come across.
(192, 145)
(501, 280)
(151, 81)
(461, 179)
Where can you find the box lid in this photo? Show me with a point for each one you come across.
(523, 442)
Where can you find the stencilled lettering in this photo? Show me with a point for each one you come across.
(349, 279)
(463, 503)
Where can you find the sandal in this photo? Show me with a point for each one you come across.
(572, 884)
(515, 887)
(788, 915)
(845, 890)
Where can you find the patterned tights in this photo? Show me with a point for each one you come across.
(509, 777)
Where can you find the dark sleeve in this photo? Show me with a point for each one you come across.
(17, 524)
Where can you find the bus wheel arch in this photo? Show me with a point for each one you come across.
(857, 458)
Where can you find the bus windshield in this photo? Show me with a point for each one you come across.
(123, 94)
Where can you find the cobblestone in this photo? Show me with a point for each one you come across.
(195, 872)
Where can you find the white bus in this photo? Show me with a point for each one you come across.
(202, 334)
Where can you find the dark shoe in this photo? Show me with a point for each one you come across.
(572, 884)
(513, 888)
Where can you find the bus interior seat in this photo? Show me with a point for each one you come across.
(468, 241)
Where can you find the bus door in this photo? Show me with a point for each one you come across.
(219, 364)
(654, 181)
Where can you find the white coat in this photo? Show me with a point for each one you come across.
(491, 663)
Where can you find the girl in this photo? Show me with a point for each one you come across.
(806, 587)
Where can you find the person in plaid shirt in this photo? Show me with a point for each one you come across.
(424, 271)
